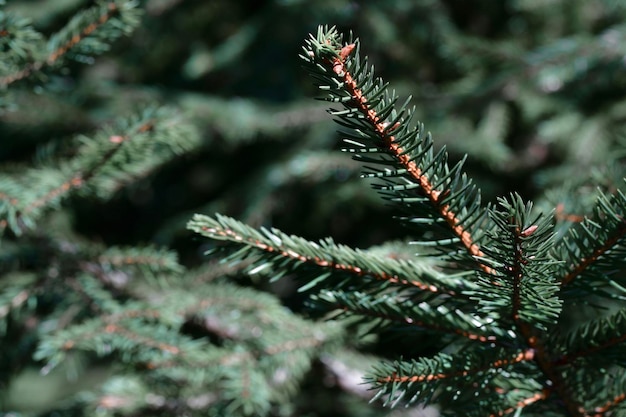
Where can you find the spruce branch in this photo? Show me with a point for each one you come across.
(16, 290)
(328, 262)
(597, 342)
(102, 164)
(148, 260)
(419, 179)
(400, 312)
(88, 33)
(524, 273)
(503, 312)
(421, 379)
(19, 43)
(594, 249)
(245, 372)
(438, 198)
(499, 317)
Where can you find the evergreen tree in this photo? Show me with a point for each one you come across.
(120, 118)
(493, 282)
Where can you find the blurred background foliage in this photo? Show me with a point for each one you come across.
(532, 90)
(520, 85)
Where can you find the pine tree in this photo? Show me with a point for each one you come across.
(494, 283)
(119, 119)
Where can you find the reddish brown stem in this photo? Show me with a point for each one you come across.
(383, 276)
(527, 355)
(62, 50)
(392, 146)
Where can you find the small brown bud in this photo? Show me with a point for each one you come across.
(529, 231)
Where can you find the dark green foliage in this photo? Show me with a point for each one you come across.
(524, 280)
(281, 254)
(365, 138)
(502, 265)
(142, 331)
(119, 119)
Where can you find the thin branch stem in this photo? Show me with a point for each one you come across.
(526, 355)
(232, 235)
(62, 50)
(435, 197)
(541, 357)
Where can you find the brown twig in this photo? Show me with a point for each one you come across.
(360, 101)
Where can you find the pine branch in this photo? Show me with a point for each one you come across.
(594, 249)
(599, 341)
(88, 33)
(439, 198)
(401, 312)
(421, 379)
(512, 304)
(329, 262)
(131, 149)
(500, 313)
(517, 252)
(246, 373)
